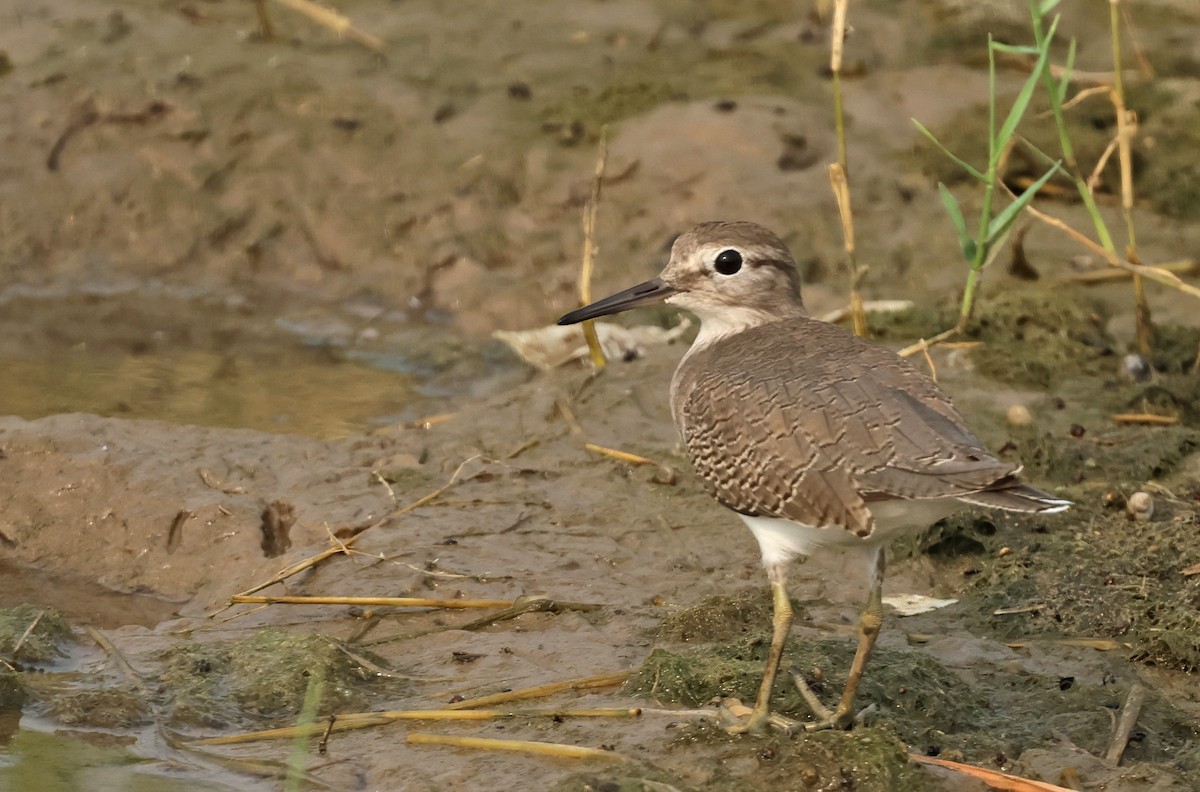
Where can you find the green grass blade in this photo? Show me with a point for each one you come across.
(1002, 221)
(1046, 159)
(298, 756)
(1065, 82)
(1021, 104)
(960, 162)
(1046, 6)
(992, 155)
(960, 224)
(1016, 49)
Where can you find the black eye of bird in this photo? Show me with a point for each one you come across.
(728, 262)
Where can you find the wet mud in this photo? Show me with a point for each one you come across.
(246, 302)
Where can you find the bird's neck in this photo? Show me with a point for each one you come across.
(730, 320)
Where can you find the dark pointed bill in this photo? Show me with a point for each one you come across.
(652, 291)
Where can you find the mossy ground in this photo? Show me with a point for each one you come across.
(917, 702)
(259, 678)
(1029, 337)
(115, 707)
(32, 635)
(870, 759)
(1104, 577)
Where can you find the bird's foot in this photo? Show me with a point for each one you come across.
(737, 718)
(826, 718)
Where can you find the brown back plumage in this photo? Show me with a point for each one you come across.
(802, 420)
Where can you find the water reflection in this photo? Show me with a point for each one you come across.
(196, 363)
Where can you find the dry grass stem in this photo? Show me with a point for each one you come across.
(839, 171)
(437, 493)
(118, 657)
(870, 306)
(298, 567)
(569, 417)
(524, 746)
(621, 456)
(1147, 419)
(375, 474)
(1101, 80)
(290, 732)
(1156, 274)
(1099, 644)
(1022, 609)
(1126, 130)
(933, 375)
(541, 691)
(1087, 93)
(1181, 267)
(334, 21)
(344, 547)
(993, 778)
(589, 250)
(1194, 569)
(1129, 716)
(530, 605)
(265, 28)
(378, 602)
(841, 191)
(521, 449)
(925, 343)
(430, 421)
(364, 720)
(28, 631)
(698, 714)
(1097, 171)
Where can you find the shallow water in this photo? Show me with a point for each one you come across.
(331, 372)
(51, 760)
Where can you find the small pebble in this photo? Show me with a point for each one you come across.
(1140, 506)
(1135, 367)
(1018, 415)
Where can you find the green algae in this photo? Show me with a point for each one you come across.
(614, 102)
(904, 684)
(1127, 458)
(1176, 349)
(1103, 577)
(1030, 337)
(261, 677)
(13, 693)
(116, 707)
(720, 618)
(915, 700)
(871, 759)
(1036, 338)
(32, 635)
(770, 66)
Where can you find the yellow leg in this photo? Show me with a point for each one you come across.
(869, 623)
(781, 625)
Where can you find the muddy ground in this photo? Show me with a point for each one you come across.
(238, 275)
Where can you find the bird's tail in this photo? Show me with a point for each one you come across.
(1018, 498)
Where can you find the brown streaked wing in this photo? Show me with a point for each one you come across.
(800, 419)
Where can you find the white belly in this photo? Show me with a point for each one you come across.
(782, 540)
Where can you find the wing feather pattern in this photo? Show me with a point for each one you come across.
(813, 436)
